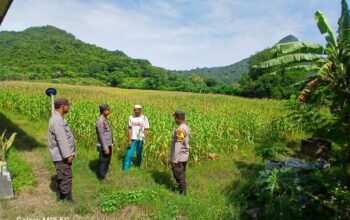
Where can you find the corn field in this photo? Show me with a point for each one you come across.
(219, 124)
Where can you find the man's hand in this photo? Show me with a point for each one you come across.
(70, 159)
(106, 152)
(146, 133)
(129, 143)
(171, 164)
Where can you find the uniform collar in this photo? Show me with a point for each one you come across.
(183, 123)
(58, 114)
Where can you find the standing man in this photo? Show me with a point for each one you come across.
(137, 131)
(104, 141)
(62, 148)
(180, 150)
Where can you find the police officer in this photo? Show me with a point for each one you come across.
(62, 148)
(104, 141)
(180, 150)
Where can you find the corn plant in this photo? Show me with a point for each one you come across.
(6, 144)
(219, 124)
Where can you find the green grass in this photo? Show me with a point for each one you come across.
(21, 173)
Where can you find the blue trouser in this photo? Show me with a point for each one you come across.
(135, 144)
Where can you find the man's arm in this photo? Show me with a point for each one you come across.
(180, 136)
(146, 127)
(100, 133)
(129, 131)
(129, 135)
(61, 139)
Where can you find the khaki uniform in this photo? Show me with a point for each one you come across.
(179, 155)
(60, 138)
(104, 133)
(61, 146)
(104, 142)
(180, 144)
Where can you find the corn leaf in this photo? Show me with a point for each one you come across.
(10, 141)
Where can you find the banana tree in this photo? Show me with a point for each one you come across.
(329, 64)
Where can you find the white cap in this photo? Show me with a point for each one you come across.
(137, 106)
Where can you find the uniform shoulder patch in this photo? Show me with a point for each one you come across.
(180, 134)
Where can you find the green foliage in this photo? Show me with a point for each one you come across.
(330, 65)
(309, 117)
(268, 86)
(291, 194)
(226, 75)
(83, 209)
(115, 201)
(267, 82)
(5, 144)
(272, 143)
(170, 213)
(21, 172)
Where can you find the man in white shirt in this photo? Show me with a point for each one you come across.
(138, 129)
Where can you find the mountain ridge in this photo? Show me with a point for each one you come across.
(231, 74)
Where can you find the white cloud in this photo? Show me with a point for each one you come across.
(180, 34)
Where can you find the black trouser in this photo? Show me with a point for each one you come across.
(103, 163)
(64, 177)
(179, 172)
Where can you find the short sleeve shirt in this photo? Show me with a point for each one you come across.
(138, 126)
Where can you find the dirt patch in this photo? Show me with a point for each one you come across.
(41, 196)
(132, 212)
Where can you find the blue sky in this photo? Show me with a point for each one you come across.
(178, 34)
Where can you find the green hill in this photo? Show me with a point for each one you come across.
(51, 54)
(226, 74)
(232, 74)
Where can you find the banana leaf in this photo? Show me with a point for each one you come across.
(288, 59)
(299, 69)
(4, 7)
(324, 28)
(344, 23)
(326, 73)
(304, 68)
(344, 35)
(298, 46)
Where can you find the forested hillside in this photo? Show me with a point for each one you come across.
(51, 54)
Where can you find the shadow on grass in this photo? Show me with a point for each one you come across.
(23, 141)
(163, 178)
(53, 184)
(93, 165)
